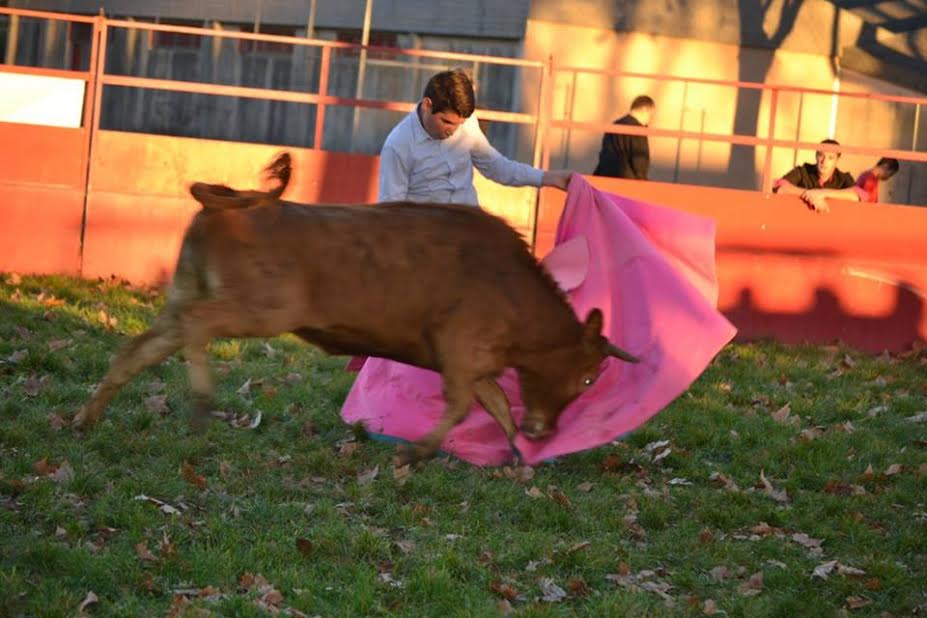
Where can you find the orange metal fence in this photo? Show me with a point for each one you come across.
(769, 142)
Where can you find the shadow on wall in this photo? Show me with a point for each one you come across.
(827, 320)
(753, 13)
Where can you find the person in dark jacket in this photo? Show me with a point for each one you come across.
(628, 156)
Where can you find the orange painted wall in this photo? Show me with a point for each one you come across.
(857, 274)
(41, 198)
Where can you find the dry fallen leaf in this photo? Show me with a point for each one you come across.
(58, 422)
(894, 469)
(552, 593)
(921, 417)
(720, 573)
(587, 487)
(402, 473)
(43, 468)
(157, 404)
(32, 386)
(858, 602)
(779, 495)
(763, 529)
(578, 546)
(841, 488)
(89, 600)
(58, 344)
(18, 356)
(272, 597)
(752, 586)
(710, 608)
(812, 434)
(534, 492)
(559, 497)
(503, 590)
(824, 569)
(142, 551)
(304, 546)
(245, 389)
(108, 321)
(722, 480)
(406, 547)
(365, 478)
(64, 473)
(843, 569)
(190, 476)
(783, 415)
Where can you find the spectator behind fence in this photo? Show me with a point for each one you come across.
(869, 180)
(430, 155)
(628, 156)
(816, 182)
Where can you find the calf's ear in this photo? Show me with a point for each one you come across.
(592, 328)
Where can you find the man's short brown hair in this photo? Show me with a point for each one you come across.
(451, 90)
(641, 102)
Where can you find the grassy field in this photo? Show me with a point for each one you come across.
(786, 482)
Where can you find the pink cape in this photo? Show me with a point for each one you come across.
(649, 268)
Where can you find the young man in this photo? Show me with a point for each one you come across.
(817, 182)
(429, 156)
(869, 180)
(628, 156)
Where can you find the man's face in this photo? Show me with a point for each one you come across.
(882, 172)
(441, 125)
(645, 115)
(827, 163)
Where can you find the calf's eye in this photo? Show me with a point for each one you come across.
(588, 381)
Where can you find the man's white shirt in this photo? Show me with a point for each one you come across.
(416, 167)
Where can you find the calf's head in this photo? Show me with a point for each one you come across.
(559, 376)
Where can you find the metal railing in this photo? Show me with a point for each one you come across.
(770, 142)
(543, 121)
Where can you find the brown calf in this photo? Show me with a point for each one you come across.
(447, 288)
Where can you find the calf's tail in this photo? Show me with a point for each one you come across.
(217, 196)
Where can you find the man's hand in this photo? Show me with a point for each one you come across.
(557, 178)
(815, 200)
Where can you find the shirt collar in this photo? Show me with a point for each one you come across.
(418, 131)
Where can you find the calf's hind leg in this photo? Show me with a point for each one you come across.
(145, 350)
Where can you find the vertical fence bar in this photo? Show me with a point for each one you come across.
(541, 128)
(323, 91)
(767, 166)
(914, 136)
(92, 124)
(801, 105)
(568, 113)
(682, 119)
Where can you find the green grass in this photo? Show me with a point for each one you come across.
(283, 501)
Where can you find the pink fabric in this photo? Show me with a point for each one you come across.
(651, 271)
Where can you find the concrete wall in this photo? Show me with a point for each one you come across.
(483, 18)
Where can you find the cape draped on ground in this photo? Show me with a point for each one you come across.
(650, 269)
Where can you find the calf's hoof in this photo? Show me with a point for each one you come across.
(199, 419)
(83, 419)
(410, 454)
